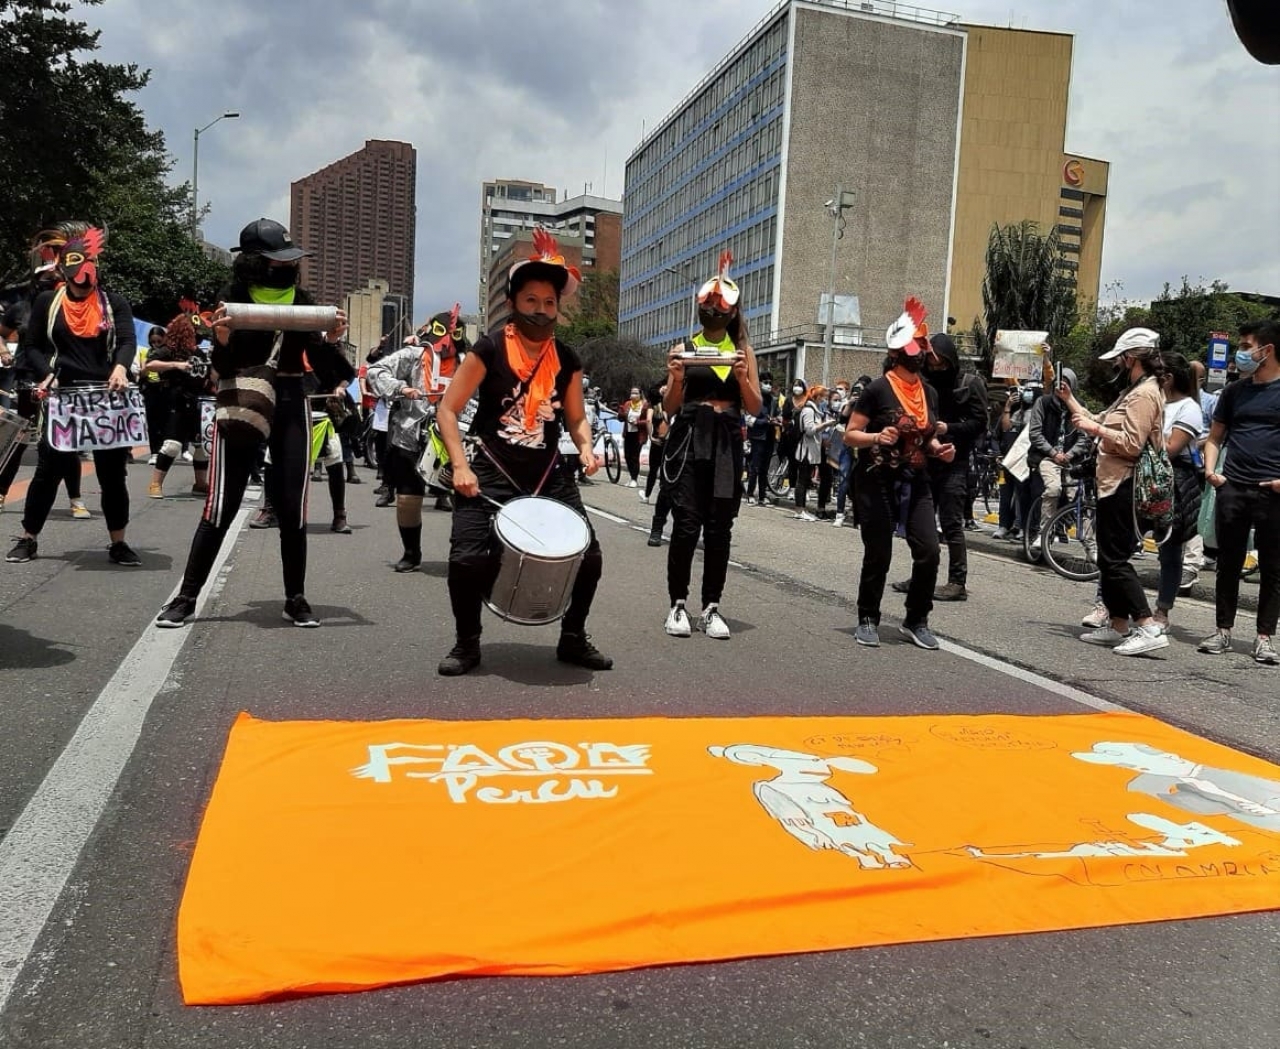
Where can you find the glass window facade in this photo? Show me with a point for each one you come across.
(706, 180)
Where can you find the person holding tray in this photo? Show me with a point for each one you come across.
(265, 273)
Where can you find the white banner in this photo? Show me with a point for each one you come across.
(95, 419)
(1019, 355)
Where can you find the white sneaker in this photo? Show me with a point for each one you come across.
(1144, 639)
(1104, 635)
(712, 623)
(1099, 617)
(633, 484)
(644, 498)
(678, 622)
(839, 521)
(151, 461)
(751, 500)
(804, 515)
(186, 457)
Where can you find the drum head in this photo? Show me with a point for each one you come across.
(542, 527)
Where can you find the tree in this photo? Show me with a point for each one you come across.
(73, 146)
(596, 314)
(616, 363)
(1025, 288)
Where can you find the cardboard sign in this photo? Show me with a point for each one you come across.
(337, 856)
(95, 419)
(1019, 355)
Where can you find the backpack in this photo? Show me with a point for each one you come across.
(1153, 486)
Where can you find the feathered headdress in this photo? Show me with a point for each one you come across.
(79, 255)
(46, 246)
(909, 331)
(443, 332)
(720, 292)
(550, 265)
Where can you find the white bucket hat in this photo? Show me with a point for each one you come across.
(1133, 339)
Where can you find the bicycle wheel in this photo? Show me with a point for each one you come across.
(612, 460)
(1070, 544)
(1031, 533)
(776, 478)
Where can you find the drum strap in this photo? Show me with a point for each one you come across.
(502, 470)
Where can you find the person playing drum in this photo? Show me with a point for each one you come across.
(412, 379)
(711, 380)
(530, 386)
(80, 335)
(183, 369)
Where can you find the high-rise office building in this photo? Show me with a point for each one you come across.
(511, 206)
(898, 106)
(359, 217)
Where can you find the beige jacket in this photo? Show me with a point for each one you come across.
(1137, 417)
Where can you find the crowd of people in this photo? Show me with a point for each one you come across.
(479, 426)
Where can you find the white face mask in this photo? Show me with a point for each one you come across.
(798, 391)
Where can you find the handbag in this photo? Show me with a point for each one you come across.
(1153, 486)
(245, 404)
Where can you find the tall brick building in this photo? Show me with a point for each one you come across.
(359, 217)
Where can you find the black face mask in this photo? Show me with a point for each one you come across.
(280, 277)
(533, 326)
(911, 364)
(713, 320)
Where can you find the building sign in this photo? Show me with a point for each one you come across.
(1073, 173)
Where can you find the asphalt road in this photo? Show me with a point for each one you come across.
(101, 973)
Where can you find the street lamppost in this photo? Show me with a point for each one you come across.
(683, 274)
(195, 170)
(835, 208)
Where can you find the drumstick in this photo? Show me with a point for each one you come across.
(532, 535)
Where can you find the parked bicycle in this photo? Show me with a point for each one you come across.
(1073, 529)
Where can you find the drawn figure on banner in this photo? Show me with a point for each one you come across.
(1175, 840)
(1201, 789)
(810, 809)
(562, 769)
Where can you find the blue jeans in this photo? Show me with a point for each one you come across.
(1170, 575)
(846, 475)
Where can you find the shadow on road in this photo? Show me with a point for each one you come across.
(530, 665)
(269, 615)
(20, 649)
(97, 561)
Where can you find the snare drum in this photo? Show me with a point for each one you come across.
(542, 543)
(14, 432)
(434, 460)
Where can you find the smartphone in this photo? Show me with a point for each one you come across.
(1057, 376)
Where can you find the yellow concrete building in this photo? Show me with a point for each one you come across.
(1013, 163)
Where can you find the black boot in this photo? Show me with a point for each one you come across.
(578, 650)
(352, 476)
(462, 658)
(386, 498)
(410, 561)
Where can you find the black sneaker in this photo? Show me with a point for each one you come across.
(445, 503)
(298, 612)
(462, 658)
(578, 650)
(177, 612)
(340, 525)
(265, 518)
(385, 498)
(655, 538)
(121, 553)
(410, 561)
(902, 586)
(24, 550)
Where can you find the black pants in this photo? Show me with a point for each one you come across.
(52, 467)
(696, 512)
(950, 487)
(474, 558)
(631, 453)
(288, 481)
(1118, 540)
(1239, 508)
(655, 468)
(877, 518)
(804, 481)
(758, 468)
(155, 403)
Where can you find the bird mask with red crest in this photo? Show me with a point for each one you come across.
(908, 336)
(546, 263)
(78, 259)
(718, 298)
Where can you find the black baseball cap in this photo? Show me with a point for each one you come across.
(268, 238)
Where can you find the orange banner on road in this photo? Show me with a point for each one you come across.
(342, 856)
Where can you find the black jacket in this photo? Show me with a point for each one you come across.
(962, 405)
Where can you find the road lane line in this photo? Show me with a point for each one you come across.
(607, 516)
(44, 844)
(1029, 677)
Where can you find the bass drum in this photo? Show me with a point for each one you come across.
(542, 543)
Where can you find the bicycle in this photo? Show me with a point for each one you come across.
(984, 467)
(1072, 532)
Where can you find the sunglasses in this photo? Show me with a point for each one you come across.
(439, 330)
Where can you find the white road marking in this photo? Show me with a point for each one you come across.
(607, 516)
(42, 848)
(1030, 677)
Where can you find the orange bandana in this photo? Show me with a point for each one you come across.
(83, 316)
(539, 375)
(912, 398)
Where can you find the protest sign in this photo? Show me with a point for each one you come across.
(95, 419)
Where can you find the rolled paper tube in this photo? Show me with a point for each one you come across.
(253, 316)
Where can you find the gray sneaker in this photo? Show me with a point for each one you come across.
(1216, 644)
(867, 633)
(919, 635)
(1264, 652)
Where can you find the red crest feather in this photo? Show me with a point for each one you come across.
(916, 311)
(726, 260)
(545, 246)
(94, 241)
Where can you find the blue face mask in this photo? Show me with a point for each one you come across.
(1246, 362)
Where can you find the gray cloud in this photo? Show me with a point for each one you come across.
(561, 92)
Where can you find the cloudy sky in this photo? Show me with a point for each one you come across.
(560, 92)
